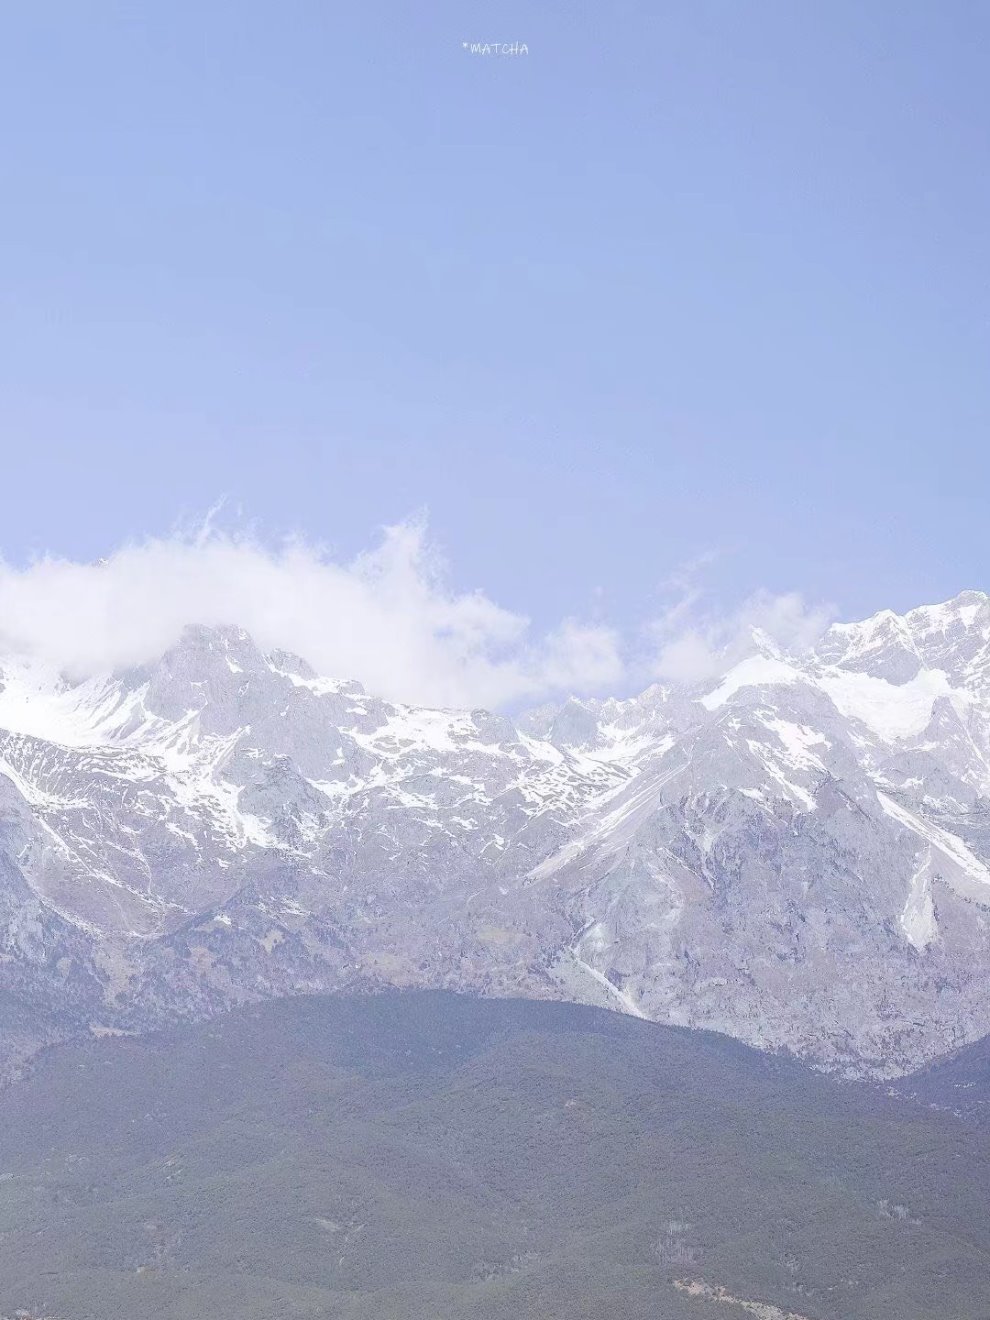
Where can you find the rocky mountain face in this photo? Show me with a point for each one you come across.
(797, 853)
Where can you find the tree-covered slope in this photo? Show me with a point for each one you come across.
(959, 1083)
(426, 1156)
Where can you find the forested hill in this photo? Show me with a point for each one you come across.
(959, 1083)
(410, 1157)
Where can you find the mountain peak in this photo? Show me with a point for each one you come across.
(968, 609)
(227, 640)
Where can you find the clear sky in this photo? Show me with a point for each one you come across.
(680, 280)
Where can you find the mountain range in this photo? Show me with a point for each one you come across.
(795, 852)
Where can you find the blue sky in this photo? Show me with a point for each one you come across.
(685, 280)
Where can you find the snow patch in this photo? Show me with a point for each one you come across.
(756, 671)
(918, 918)
(892, 711)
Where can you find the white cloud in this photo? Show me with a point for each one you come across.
(692, 645)
(389, 618)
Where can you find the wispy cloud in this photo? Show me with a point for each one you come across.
(692, 641)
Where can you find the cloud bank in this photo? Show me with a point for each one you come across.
(389, 618)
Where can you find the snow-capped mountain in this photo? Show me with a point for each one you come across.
(797, 853)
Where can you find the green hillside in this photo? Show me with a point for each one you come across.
(431, 1157)
(960, 1082)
